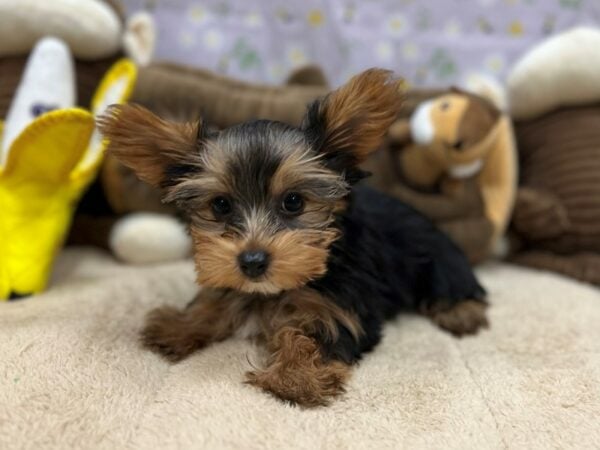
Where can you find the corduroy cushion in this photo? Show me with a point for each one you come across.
(557, 215)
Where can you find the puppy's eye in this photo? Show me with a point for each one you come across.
(221, 206)
(444, 106)
(293, 203)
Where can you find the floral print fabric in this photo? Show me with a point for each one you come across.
(429, 42)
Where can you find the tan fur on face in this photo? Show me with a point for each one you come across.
(297, 256)
(146, 143)
(358, 114)
(299, 170)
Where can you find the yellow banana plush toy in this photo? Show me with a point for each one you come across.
(49, 153)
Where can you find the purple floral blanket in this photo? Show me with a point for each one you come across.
(429, 42)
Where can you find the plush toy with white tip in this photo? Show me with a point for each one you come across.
(47, 84)
(50, 154)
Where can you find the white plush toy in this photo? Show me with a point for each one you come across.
(47, 84)
(145, 238)
(552, 74)
(91, 28)
(50, 153)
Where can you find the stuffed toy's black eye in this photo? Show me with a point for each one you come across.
(458, 145)
(38, 109)
(293, 203)
(221, 206)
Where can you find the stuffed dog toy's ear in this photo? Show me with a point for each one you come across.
(351, 122)
(155, 149)
(139, 38)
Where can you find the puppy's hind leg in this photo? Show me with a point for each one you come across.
(451, 296)
(460, 318)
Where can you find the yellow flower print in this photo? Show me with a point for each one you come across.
(452, 28)
(197, 14)
(296, 56)
(397, 25)
(410, 51)
(276, 71)
(254, 20)
(316, 18)
(515, 28)
(187, 39)
(494, 63)
(212, 39)
(384, 51)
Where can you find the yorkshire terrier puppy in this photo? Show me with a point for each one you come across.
(287, 248)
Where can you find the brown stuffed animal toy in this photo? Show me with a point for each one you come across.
(454, 160)
(554, 94)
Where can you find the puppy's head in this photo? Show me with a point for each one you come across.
(261, 196)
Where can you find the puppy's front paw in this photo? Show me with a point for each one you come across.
(168, 333)
(310, 388)
(462, 318)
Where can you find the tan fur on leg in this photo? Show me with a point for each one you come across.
(213, 316)
(463, 318)
(297, 372)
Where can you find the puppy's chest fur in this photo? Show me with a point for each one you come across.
(251, 328)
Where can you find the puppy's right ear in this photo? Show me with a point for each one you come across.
(351, 122)
(155, 149)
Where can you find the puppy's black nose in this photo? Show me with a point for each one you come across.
(253, 263)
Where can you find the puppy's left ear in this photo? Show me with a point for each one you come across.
(350, 122)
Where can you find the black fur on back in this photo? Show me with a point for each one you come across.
(390, 258)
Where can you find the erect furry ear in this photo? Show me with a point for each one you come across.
(155, 149)
(350, 122)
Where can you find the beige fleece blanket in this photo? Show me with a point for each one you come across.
(72, 374)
